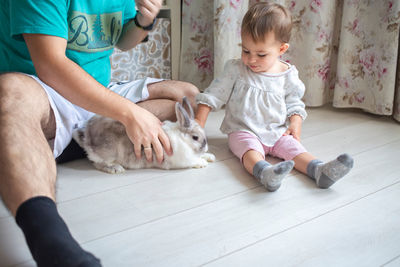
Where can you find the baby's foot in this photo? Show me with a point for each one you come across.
(326, 174)
(272, 175)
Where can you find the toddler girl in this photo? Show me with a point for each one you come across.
(263, 107)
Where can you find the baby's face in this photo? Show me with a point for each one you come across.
(262, 56)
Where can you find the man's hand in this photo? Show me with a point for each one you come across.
(133, 35)
(148, 10)
(295, 127)
(146, 131)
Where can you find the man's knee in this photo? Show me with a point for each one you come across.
(190, 91)
(23, 100)
(174, 90)
(10, 92)
(19, 92)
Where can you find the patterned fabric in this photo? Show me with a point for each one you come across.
(346, 51)
(227, 28)
(149, 59)
(197, 48)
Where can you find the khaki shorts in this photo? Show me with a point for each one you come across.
(70, 117)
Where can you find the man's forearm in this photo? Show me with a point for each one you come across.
(71, 81)
(131, 36)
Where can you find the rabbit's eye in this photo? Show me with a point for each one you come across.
(195, 137)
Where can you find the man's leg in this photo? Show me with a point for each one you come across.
(28, 172)
(163, 96)
(27, 167)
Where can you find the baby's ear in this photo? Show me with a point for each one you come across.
(284, 47)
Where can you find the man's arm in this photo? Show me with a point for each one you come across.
(72, 82)
(133, 35)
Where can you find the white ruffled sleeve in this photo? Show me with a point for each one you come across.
(294, 92)
(220, 89)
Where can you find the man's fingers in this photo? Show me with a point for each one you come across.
(138, 150)
(149, 8)
(158, 150)
(164, 139)
(148, 152)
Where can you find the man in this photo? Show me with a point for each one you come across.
(65, 46)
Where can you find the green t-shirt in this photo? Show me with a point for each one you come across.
(92, 28)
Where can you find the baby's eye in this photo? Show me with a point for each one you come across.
(195, 138)
(262, 55)
(245, 51)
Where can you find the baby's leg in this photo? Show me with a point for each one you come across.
(251, 152)
(324, 174)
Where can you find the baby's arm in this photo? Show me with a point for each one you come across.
(202, 114)
(217, 94)
(294, 105)
(294, 128)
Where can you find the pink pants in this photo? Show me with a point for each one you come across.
(285, 148)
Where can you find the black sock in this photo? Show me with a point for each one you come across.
(48, 237)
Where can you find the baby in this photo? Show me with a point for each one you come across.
(264, 111)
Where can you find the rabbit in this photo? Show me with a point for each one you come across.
(109, 148)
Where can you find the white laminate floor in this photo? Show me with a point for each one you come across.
(220, 216)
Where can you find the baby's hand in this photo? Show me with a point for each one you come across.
(294, 128)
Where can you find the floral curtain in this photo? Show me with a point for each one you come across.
(347, 51)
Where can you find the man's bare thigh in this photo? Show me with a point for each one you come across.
(26, 97)
(172, 90)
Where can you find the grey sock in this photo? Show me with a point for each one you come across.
(271, 175)
(326, 174)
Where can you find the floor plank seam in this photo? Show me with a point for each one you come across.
(390, 261)
(336, 129)
(171, 215)
(376, 147)
(333, 130)
(122, 186)
(297, 225)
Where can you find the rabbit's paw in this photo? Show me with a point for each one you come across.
(109, 168)
(208, 157)
(201, 163)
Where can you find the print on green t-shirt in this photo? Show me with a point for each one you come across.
(93, 32)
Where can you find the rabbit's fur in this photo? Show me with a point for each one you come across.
(109, 148)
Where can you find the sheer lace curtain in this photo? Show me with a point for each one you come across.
(347, 51)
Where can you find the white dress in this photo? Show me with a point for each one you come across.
(259, 103)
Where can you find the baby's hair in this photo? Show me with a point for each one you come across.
(264, 17)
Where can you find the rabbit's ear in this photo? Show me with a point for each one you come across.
(182, 116)
(187, 106)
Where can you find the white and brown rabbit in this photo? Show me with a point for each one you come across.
(109, 148)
